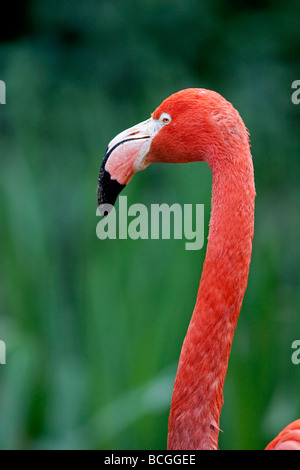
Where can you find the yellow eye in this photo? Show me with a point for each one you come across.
(165, 118)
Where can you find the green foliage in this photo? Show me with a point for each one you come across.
(94, 329)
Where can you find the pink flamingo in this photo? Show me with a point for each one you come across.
(200, 125)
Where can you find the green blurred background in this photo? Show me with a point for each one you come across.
(93, 328)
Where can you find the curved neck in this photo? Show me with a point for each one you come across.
(198, 390)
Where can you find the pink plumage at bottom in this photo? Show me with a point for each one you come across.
(287, 439)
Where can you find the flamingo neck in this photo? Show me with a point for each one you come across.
(198, 390)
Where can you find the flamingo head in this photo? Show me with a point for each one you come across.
(191, 125)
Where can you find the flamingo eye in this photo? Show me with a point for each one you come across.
(165, 118)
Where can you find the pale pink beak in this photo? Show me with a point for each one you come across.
(126, 154)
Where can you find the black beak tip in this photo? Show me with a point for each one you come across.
(107, 191)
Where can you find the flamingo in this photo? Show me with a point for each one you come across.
(200, 125)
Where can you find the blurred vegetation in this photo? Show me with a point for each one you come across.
(94, 329)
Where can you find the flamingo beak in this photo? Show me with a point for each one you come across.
(126, 154)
